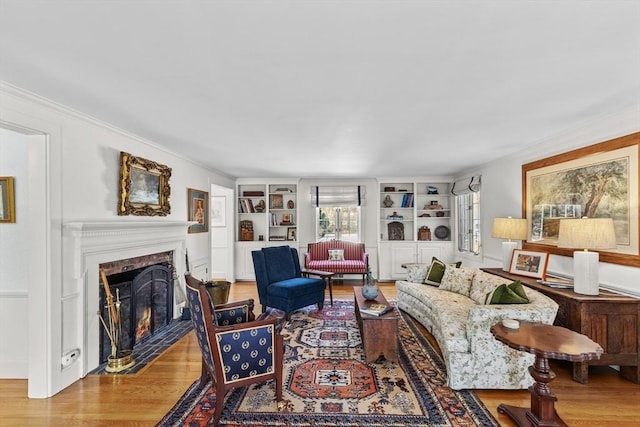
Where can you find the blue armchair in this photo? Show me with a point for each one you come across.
(281, 282)
(239, 353)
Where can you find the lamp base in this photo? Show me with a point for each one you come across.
(585, 273)
(507, 251)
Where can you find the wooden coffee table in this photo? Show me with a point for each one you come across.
(379, 333)
(546, 342)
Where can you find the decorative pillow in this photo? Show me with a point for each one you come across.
(482, 284)
(416, 273)
(336, 254)
(435, 272)
(513, 293)
(457, 280)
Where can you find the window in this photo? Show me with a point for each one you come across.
(467, 192)
(340, 223)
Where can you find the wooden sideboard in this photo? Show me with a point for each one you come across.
(612, 320)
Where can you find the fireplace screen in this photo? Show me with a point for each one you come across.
(146, 305)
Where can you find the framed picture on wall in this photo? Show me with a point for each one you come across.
(218, 214)
(198, 210)
(597, 181)
(144, 187)
(7, 202)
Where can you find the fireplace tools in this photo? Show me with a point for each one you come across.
(118, 360)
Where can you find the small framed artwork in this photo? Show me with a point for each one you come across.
(218, 213)
(198, 210)
(276, 201)
(7, 202)
(291, 233)
(144, 187)
(529, 263)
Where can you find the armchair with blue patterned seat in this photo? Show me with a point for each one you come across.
(236, 350)
(282, 284)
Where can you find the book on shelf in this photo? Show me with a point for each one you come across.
(376, 309)
(556, 282)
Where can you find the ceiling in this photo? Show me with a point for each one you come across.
(330, 89)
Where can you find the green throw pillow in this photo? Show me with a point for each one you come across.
(508, 294)
(435, 272)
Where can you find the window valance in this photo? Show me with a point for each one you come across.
(337, 195)
(467, 185)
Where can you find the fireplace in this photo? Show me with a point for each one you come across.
(144, 288)
(92, 245)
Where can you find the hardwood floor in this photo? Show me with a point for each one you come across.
(144, 398)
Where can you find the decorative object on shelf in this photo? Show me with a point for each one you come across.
(510, 229)
(387, 202)
(591, 181)
(256, 193)
(432, 189)
(424, 233)
(529, 263)
(425, 215)
(395, 230)
(291, 204)
(260, 206)
(395, 216)
(586, 233)
(7, 200)
(144, 187)
(433, 205)
(198, 210)
(246, 230)
(276, 201)
(390, 189)
(291, 233)
(370, 289)
(440, 214)
(442, 232)
(287, 219)
(284, 190)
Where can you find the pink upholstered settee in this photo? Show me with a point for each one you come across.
(355, 259)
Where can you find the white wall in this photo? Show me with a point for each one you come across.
(81, 174)
(502, 192)
(14, 261)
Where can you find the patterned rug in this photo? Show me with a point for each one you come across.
(328, 383)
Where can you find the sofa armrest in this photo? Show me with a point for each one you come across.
(365, 258)
(307, 258)
(481, 317)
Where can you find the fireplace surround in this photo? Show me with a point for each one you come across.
(87, 246)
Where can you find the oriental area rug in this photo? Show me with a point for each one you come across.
(328, 383)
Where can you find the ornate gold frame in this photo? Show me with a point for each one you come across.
(135, 200)
(8, 203)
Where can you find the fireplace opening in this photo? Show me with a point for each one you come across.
(145, 293)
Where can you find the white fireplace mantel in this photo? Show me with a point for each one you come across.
(88, 244)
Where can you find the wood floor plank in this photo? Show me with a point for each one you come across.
(144, 398)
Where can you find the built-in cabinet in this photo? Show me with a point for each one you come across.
(415, 224)
(266, 215)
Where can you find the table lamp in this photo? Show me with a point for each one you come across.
(510, 229)
(586, 233)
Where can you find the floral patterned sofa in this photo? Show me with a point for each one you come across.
(455, 313)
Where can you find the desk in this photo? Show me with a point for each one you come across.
(546, 342)
(612, 320)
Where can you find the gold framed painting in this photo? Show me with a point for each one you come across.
(597, 181)
(7, 200)
(144, 187)
(198, 210)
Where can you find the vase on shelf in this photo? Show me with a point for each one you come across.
(370, 289)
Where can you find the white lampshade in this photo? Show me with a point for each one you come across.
(511, 229)
(586, 233)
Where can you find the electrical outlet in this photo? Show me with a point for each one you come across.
(70, 357)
